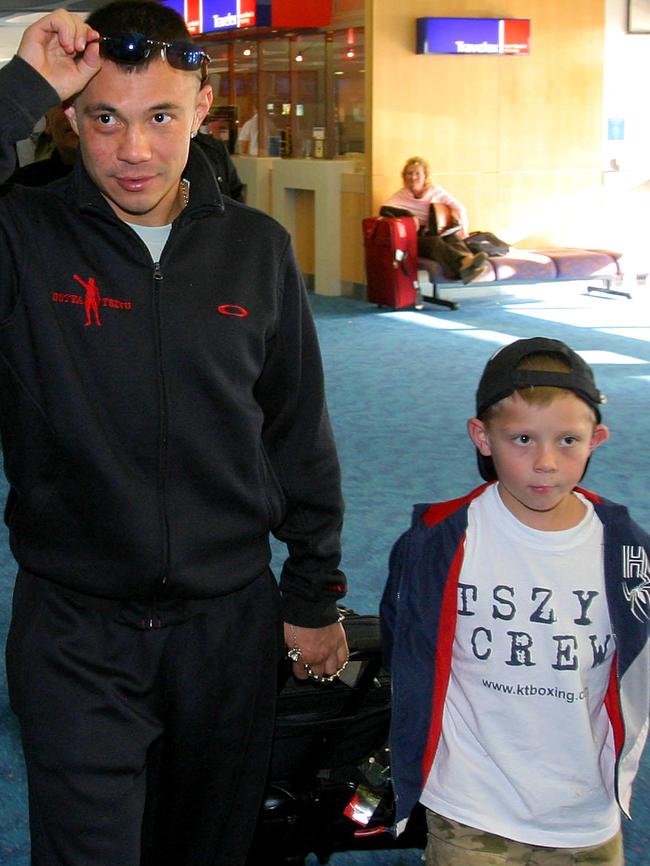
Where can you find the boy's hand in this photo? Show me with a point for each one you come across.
(53, 45)
(323, 650)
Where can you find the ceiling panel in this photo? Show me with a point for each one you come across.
(13, 7)
(15, 15)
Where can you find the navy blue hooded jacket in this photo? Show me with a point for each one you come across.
(419, 612)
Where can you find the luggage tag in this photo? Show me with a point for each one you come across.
(362, 806)
(369, 794)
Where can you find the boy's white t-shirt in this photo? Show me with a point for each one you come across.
(526, 750)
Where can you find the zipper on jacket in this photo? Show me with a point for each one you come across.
(164, 429)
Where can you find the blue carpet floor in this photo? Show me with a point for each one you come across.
(400, 388)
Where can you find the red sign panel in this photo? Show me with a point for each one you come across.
(194, 16)
(301, 13)
(247, 13)
(516, 36)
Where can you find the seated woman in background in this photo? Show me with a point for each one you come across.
(417, 195)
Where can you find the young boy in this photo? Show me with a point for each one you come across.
(516, 629)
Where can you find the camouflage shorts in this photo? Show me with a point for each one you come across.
(453, 844)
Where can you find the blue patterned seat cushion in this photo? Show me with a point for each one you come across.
(578, 264)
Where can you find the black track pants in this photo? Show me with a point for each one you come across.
(449, 252)
(98, 700)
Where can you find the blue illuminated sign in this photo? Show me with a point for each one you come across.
(615, 129)
(473, 36)
(220, 15)
(177, 6)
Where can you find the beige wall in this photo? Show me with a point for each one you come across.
(518, 139)
(353, 198)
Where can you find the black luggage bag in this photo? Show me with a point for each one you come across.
(330, 743)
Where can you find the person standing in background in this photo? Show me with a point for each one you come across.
(63, 156)
(248, 137)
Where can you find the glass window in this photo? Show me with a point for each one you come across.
(221, 120)
(275, 99)
(271, 94)
(245, 97)
(308, 91)
(349, 90)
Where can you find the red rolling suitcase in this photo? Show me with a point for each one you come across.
(391, 248)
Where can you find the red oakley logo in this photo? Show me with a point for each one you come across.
(232, 310)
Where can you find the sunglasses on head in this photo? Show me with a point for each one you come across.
(133, 48)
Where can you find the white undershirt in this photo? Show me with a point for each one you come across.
(155, 237)
(526, 750)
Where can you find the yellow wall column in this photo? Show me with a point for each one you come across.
(517, 139)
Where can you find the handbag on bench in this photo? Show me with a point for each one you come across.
(439, 222)
(487, 242)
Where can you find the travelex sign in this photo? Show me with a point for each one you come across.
(224, 14)
(204, 16)
(209, 16)
(473, 36)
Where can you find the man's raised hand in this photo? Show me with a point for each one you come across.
(57, 46)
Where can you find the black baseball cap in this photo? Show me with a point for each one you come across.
(501, 378)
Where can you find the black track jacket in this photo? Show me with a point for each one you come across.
(158, 422)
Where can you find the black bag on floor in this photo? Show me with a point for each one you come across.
(486, 242)
(326, 737)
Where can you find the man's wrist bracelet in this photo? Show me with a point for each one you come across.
(294, 654)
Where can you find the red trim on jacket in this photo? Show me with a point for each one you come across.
(442, 671)
(612, 699)
(440, 511)
(589, 494)
(613, 707)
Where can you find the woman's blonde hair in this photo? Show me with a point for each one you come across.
(415, 162)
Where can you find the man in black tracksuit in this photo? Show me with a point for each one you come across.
(162, 411)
